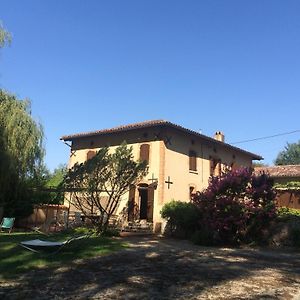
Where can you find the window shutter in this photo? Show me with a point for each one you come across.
(219, 168)
(192, 161)
(211, 167)
(144, 152)
(90, 154)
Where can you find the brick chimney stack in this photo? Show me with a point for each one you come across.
(219, 136)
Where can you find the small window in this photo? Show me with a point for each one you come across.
(90, 154)
(193, 161)
(144, 152)
(215, 167)
(192, 191)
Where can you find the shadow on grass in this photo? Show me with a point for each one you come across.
(150, 269)
(15, 260)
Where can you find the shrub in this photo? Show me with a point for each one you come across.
(236, 207)
(286, 212)
(182, 217)
(203, 237)
(286, 229)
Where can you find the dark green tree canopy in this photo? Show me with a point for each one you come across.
(290, 155)
(21, 153)
(22, 136)
(21, 150)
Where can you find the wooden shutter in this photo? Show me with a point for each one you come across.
(131, 203)
(144, 152)
(193, 161)
(90, 154)
(150, 204)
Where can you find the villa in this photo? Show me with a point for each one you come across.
(180, 161)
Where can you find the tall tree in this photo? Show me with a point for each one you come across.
(97, 185)
(290, 155)
(21, 153)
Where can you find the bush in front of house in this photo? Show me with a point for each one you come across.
(235, 208)
(182, 218)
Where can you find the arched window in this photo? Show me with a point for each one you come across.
(90, 154)
(144, 152)
(215, 167)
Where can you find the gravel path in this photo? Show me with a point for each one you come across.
(158, 268)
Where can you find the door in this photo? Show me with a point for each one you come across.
(143, 192)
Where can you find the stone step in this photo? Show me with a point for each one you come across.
(137, 227)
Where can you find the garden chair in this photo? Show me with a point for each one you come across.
(49, 246)
(7, 223)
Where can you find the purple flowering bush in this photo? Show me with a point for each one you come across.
(235, 208)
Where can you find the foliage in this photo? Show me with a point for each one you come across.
(57, 176)
(259, 164)
(97, 185)
(5, 36)
(181, 216)
(290, 155)
(23, 136)
(286, 230)
(21, 154)
(236, 206)
(289, 185)
(55, 180)
(286, 212)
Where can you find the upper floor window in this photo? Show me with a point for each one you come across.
(192, 161)
(90, 154)
(144, 152)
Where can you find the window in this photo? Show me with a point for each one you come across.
(144, 152)
(215, 167)
(193, 161)
(192, 191)
(90, 154)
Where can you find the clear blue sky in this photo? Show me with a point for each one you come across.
(206, 65)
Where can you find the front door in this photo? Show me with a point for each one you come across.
(143, 192)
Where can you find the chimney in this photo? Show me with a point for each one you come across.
(219, 136)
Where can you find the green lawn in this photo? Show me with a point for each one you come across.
(15, 260)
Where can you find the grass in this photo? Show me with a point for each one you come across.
(15, 260)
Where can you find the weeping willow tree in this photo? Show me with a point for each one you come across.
(21, 154)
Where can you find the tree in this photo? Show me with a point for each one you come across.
(55, 180)
(21, 154)
(5, 36)
(290, 155)
(259, 164)
(236, 207)
(98, 184)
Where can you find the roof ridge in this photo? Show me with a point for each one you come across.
(150, 123)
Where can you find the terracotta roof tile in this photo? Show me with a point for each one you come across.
(115, 129)
(280, 171)
(153, 123)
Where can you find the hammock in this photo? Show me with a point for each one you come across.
(39, 245)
